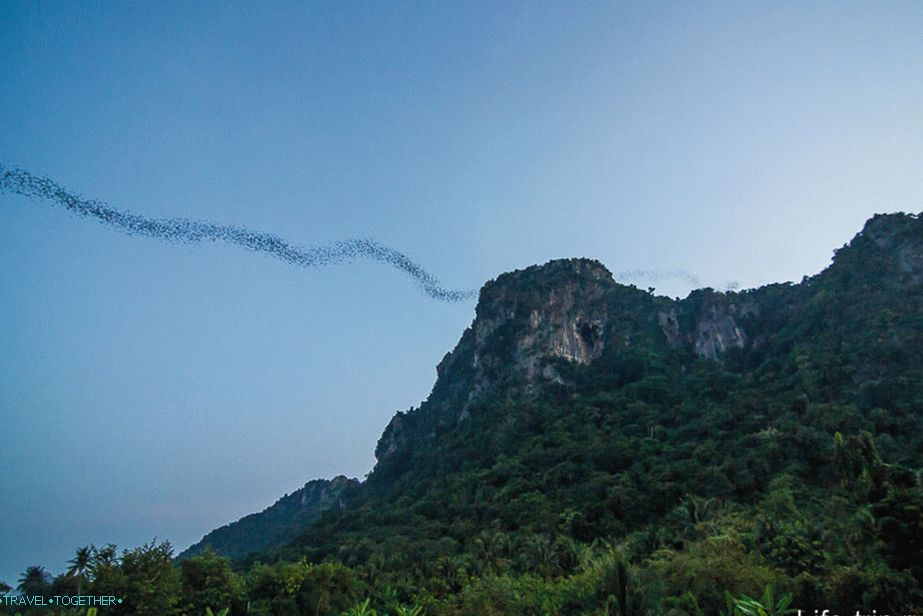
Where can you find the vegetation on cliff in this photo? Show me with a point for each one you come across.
(591, 448)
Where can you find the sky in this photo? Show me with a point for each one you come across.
(153, 390)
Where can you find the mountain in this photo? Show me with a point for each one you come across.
(277, 524)
(588, 440)
(534, 327)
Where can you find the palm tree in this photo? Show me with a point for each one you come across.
(35, 581)
(80, 565)
(540, 554)
(696, 507)
(615, 583)
(493, 549)
(105, 557)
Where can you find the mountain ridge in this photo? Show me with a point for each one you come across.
(578, 409)
(708, 323)
(277, 523)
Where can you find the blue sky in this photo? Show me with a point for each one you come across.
(151, 390)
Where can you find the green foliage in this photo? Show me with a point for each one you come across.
(35, 581)
(152, 583)
(767, 605)
(277, 524)
(361, 609)
(302, 587)
(208, 581)
(651, 481)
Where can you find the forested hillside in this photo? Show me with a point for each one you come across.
(593, 448)
(277, 524)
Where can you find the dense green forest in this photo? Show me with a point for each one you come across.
(729, 453)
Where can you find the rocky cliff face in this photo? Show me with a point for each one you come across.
(557, 310)
(901, 237)
(529, 321)
(525, 321)
(709, 323)
(572, 310)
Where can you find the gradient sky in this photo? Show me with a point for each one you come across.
(154, 390)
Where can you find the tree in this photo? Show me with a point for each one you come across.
(35, 581)
(492, 549)
(152, 585)
(80, 565)
(106, 556)
(899, 518)
(325, 589)
(540, 554)
(208, 582)
(106, 573)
